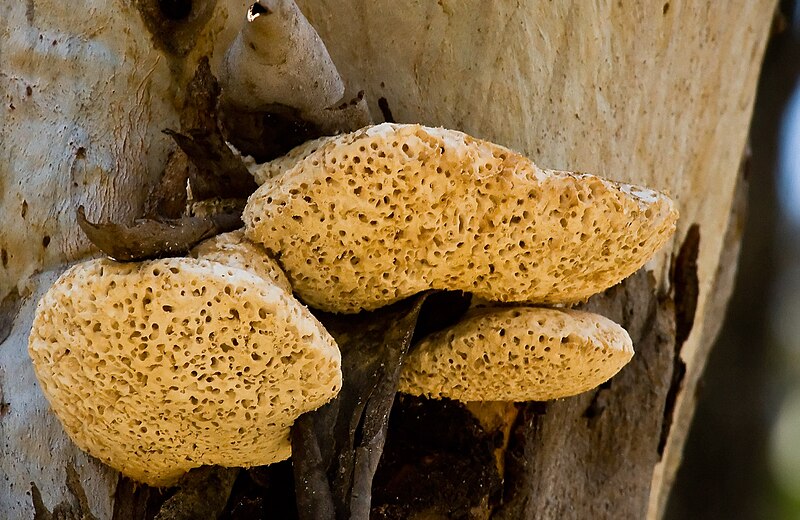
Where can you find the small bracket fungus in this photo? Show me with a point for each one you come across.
(162, 366)
(234, 250)
(365, 219)
(517, 354)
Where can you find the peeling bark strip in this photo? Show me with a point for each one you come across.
(686, 285)
(146, 239)
(344, 439)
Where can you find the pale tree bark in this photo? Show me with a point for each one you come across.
(653, 93)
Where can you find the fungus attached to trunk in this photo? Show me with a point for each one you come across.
(365, 219)
(517, 354)
(234, 250)
(161, 366)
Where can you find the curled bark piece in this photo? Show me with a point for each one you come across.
(279, 59)
(146, 238)
(220, 172)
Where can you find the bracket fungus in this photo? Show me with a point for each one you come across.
(517, 354)
(158, 367)
(234, 250)
(365, 219)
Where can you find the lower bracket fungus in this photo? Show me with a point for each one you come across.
(158, 367)
(517, 354)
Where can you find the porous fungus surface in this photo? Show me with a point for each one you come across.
(517, 354)
(234, 250)
(266, 171)
(365, 219)
(161, 366)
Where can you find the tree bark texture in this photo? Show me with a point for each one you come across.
(653, 93)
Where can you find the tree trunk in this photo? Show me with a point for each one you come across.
(658, 94)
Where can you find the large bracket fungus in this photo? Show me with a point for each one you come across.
(365, 219)
(161, 366)
(158, 367)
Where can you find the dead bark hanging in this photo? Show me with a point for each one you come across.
(344, 439)
(219, 172)
(147, 238)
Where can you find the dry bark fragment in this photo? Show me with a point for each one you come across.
(219, 171)
(147, 238)
(344, 439)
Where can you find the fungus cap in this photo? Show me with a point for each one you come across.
(365, 219)
(161, 366)
(234, 250)
(517, 354)
(264, 172)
